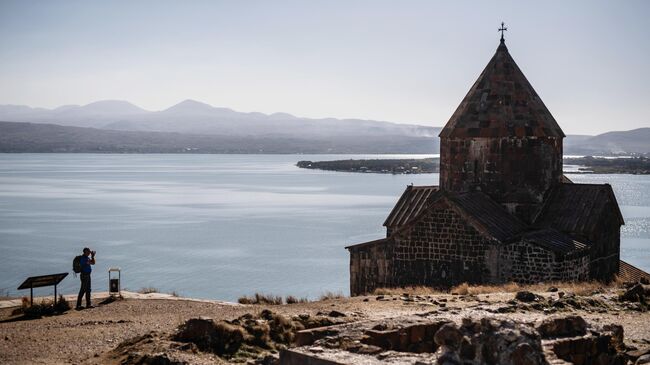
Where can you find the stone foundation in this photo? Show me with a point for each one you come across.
(486, 340)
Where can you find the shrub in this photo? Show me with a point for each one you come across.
(282, 329)
(290, 299)
(268, 299)
(33, 311)
(62, 305)
(44, 308)
(148, 290)
(4, 294)
(411, 290)
(245, 300)
(228, 338)
(260, 333)
(221, 337)
(258, 298)
(330, 295)
(462, 289)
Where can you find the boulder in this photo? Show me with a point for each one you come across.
(635, 354)
(645, 359)
(336, 314)
(568, 326)
(448, 335)
(525, 296)
(637, 293)
(218, 337)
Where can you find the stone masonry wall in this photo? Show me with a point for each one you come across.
(370, 267)
(526, 263)
(606, 247)
(515, 172)
(442, 250)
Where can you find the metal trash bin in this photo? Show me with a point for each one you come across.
(114, 285)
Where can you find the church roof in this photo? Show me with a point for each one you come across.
(627, 272)
(501, 103)
(370, 243)
(553, 240)
(490, 215)
(578, 208)
(570, 208)
(409, 205)
(477, 207)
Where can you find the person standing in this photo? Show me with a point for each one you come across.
(87, 259)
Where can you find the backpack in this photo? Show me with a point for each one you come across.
(76, 264)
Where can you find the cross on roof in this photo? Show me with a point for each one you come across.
(502, 29)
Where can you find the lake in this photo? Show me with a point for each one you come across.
(216, 226)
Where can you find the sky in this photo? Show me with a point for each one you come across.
(399, 61)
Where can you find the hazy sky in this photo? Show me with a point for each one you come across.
(401, 61)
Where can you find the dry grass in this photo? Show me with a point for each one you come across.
(290, 299)
(579, 288)
(148, 290)
(465, 289)
(269, 299)
(411, 290)
(46, 307)
(258, 298)
(151, 289)
(4, 294)
(331, 295)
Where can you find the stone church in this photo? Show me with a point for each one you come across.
(503, 210)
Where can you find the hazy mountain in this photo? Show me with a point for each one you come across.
(105, 107)
(195, 117)
(619, 142)
(328, 134)
(36, 137)
(96, 114)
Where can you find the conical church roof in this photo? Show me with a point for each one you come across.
(501, 103)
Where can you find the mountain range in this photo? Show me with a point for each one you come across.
(195, 117)
(192, 126)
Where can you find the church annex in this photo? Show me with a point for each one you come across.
(503, 210)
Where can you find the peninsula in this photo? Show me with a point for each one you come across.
(599, 165)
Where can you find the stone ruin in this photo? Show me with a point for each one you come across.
(471, 341)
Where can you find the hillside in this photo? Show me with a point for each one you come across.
(195, 117)
(203, 128)
(45, 138)
(619, 142)
(568, 321)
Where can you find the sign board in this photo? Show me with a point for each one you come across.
(40, 281)
(43, 280)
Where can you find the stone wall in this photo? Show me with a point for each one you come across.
(515, 172)
(441, 250)
(527, 263)
(370, 266)
(606, 247)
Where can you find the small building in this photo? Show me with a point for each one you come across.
(503, 210)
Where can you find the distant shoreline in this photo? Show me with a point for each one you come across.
(588, 165)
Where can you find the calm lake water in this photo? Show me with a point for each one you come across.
(216, 226)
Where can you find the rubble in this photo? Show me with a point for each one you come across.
(485, 340)
(636, 293)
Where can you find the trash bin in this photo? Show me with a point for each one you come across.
(114, 288)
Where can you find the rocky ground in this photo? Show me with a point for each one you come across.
(170, 330)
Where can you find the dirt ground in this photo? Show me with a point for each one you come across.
(87, 336)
